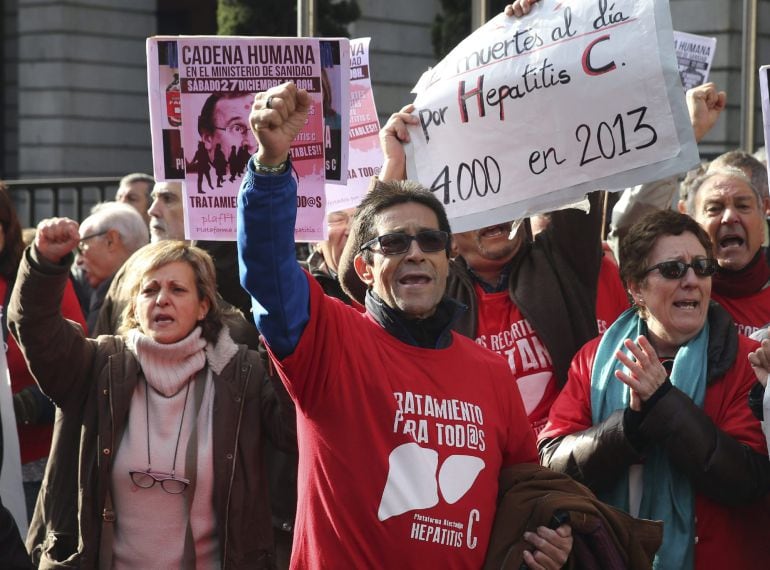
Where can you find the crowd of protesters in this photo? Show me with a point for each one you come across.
(521, 395)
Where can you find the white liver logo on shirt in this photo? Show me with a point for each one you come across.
(413, 483)
(532, 388)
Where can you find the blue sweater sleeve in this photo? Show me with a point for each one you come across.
(280, 295)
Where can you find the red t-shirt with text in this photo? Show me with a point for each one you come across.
(503, 329)
(400, 447)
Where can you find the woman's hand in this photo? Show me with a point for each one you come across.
(645, 372)
(56, 237)
(552, 547)
(392, 137)
(760, 362)
(519, 8)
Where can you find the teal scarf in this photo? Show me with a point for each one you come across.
(667, 494)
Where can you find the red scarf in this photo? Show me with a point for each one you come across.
(744, 282)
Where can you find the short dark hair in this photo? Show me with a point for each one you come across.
(135, 177)
(206, 118)
(643, 235)
(385, 195)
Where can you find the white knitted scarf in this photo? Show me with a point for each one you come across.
(168, 367)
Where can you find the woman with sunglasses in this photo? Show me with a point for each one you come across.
(654, 416)
(159, 439)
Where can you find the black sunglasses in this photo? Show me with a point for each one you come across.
(702, 267)
(394, 244)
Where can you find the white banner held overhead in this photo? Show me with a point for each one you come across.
(527, 114)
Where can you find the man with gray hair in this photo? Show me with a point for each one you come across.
(728, 198)
(134, 190)
(727, 204)
(751, 166)
(108, 237)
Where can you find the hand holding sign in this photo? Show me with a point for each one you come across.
(519, 8)
(277, 116)
(392, 137)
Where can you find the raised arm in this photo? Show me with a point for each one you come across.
(393, 136)
(267, 211)
(58, 354)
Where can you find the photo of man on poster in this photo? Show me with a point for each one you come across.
(223, 126)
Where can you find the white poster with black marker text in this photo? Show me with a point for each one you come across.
(528, 114)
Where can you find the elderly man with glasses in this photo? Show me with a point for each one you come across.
(403, 425)
(108, 237)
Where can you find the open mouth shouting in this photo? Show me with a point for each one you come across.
(415, 279)
(495, 231)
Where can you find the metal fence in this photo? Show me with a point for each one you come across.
(39, 199)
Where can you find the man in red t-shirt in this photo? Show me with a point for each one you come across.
(533, 302)
(403, 425)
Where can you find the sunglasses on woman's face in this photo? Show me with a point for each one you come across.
(702, 267)
(394, 244)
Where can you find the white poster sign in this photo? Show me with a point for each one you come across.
(764, 76)
(527, 114)
(365, 158)
(201, 91)
(694, 55)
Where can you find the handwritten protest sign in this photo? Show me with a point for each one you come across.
(202, 137)
(527, 114)
(694, 55)
(365, 157)
(335, 70)
(764, 78)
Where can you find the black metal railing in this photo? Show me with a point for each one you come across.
(39, 199)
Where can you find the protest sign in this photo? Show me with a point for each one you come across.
(212, 140)
(165, 109)
(527, 114)
(764, 77)
(694, 55)
(335, 70)
(365, 158)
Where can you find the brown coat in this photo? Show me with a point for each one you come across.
(604, 537)
(91, 381)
